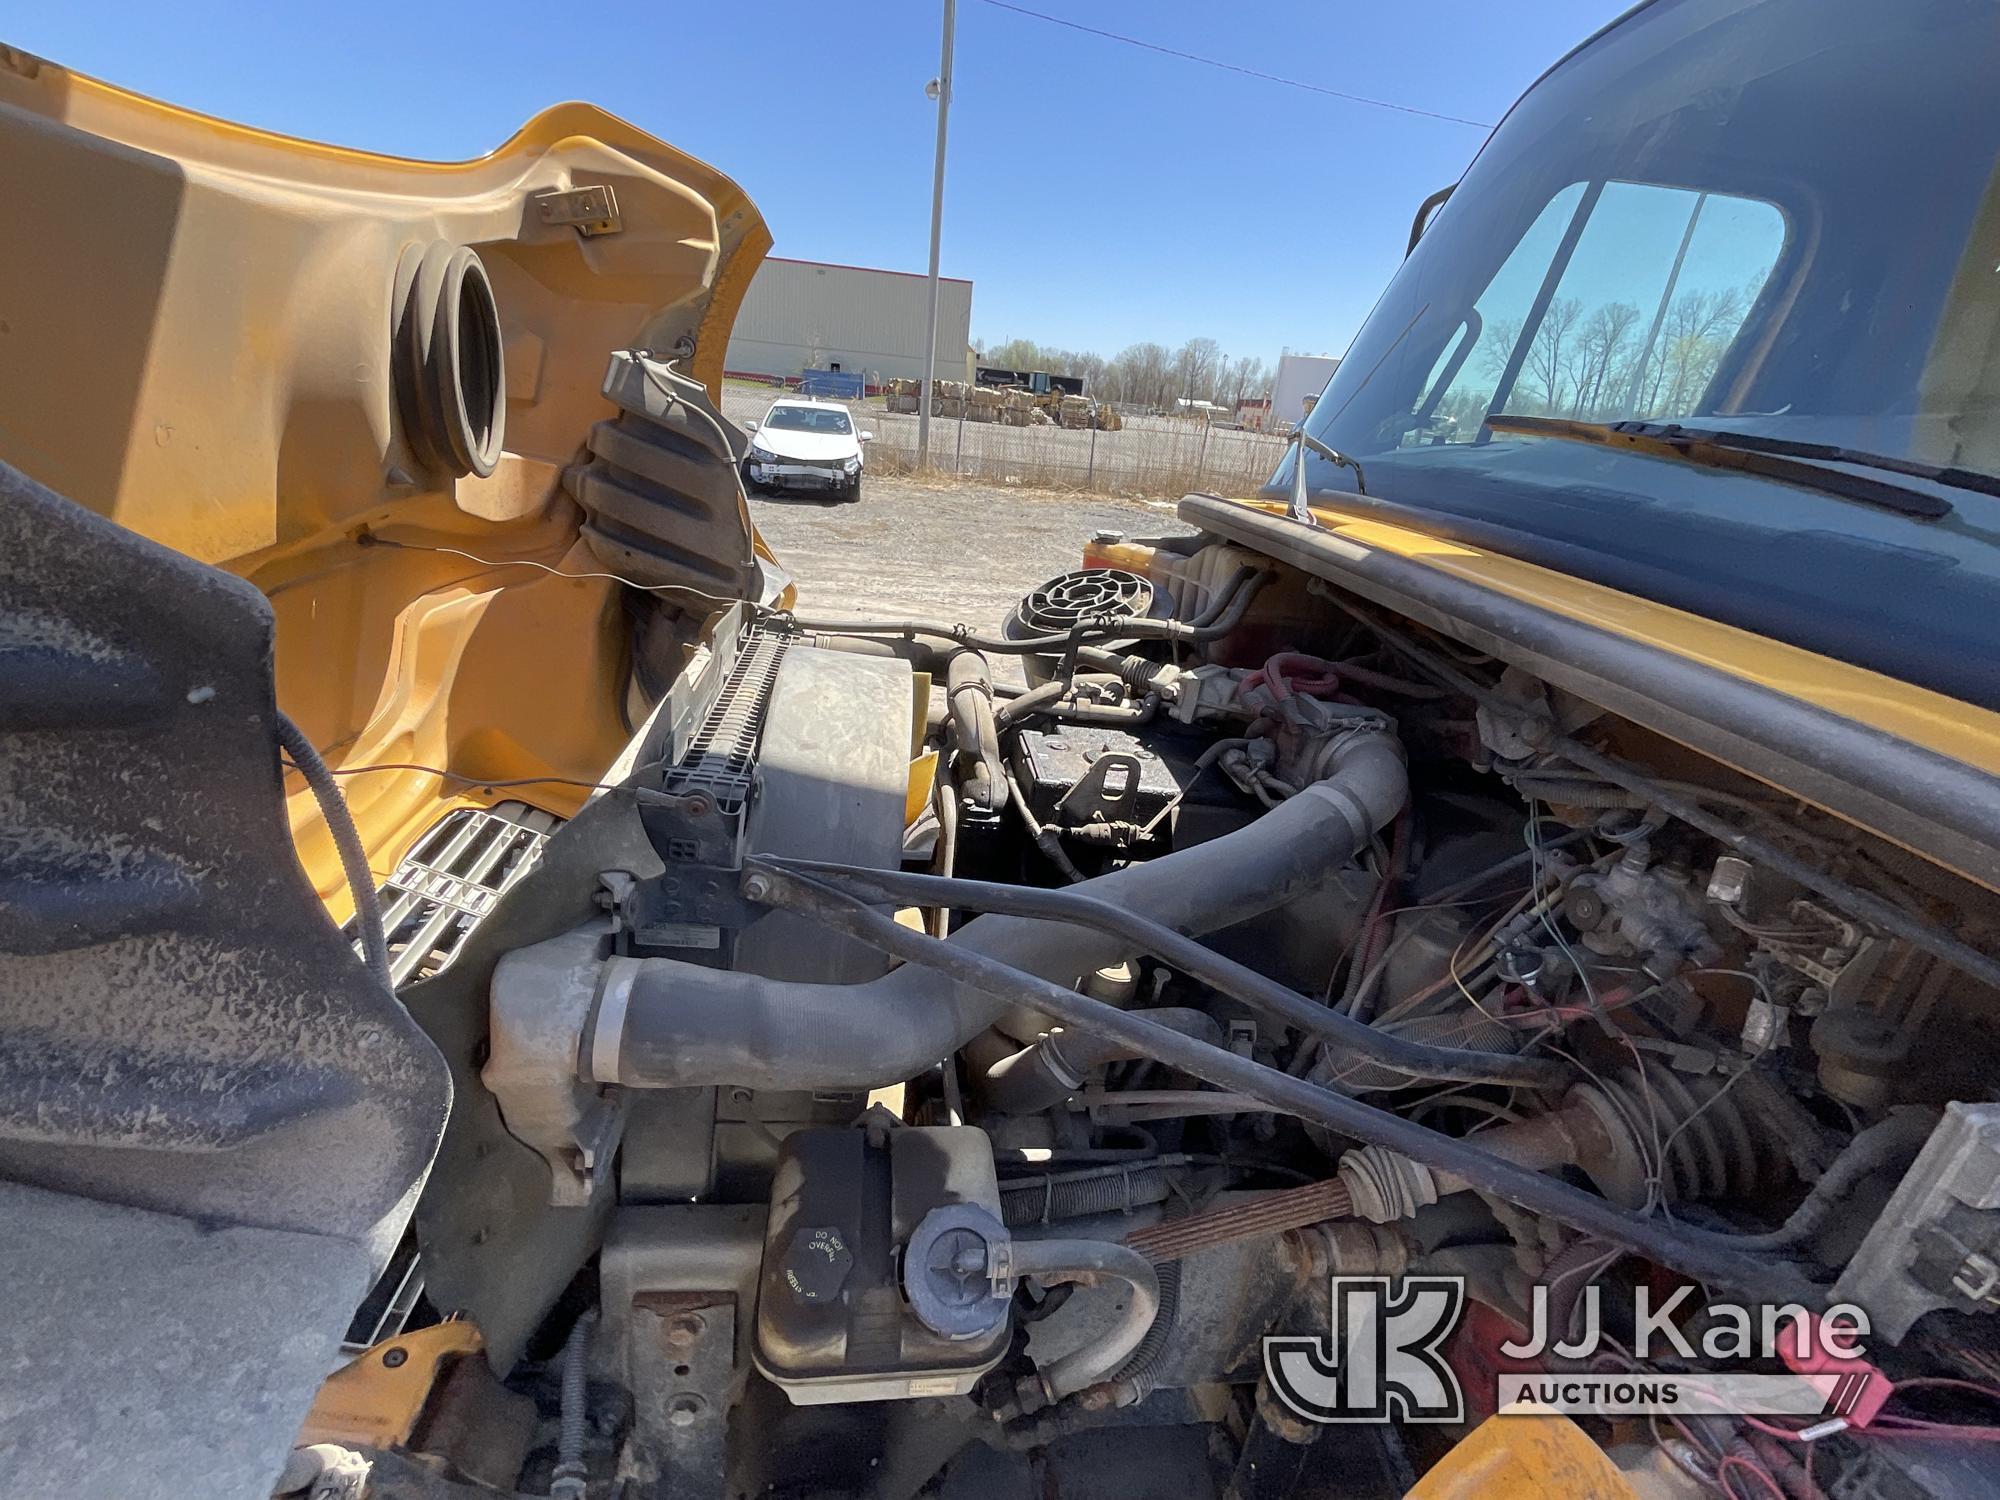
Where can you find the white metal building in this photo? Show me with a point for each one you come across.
(1301, 377)
(802, 314)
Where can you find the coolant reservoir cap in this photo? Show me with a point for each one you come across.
(946, 1272)
(816, 1264)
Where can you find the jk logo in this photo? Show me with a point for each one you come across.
(1382, 1360)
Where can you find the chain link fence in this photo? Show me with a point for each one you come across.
(1150, 457)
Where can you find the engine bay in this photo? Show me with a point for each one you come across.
(1463, 976)
(973, 1045)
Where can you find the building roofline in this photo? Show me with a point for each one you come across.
(835, 265)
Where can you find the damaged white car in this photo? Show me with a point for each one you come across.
(808, 445)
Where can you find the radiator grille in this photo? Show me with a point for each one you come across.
(724, 749)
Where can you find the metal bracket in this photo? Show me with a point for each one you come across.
(683, 1355)
(590, 211)
(1092, 799)
(1978, 1280)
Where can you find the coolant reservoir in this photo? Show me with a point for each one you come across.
(833, 1321)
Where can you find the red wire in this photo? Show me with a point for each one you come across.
(1889, 1424)
(1762, 1475)
(1917, 1427)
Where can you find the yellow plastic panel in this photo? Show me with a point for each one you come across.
(196, 342)
(1525, 1455)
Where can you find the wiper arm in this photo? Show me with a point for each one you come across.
(1785, 459)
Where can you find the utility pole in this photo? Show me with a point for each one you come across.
(942, 85)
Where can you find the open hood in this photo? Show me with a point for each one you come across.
(270, 354)
(287, 428)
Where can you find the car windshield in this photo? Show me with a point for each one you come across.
(830, 419)
(1775, 218)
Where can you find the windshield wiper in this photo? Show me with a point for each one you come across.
(1785, 459)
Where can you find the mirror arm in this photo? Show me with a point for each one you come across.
(1297, 509)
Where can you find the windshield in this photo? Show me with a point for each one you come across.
(808, 419)
(1775, 218)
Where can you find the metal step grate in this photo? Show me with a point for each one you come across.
(451, 879)
(724, 749)
(443, 889)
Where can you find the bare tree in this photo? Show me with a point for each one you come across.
(1688, 350)
(1194, 368)
(1599, 353)
(1146, 374)
(1548, 358)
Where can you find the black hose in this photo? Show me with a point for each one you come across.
(1893, 1141)
(969, 692)
(1047, 699)
(1051, 1068)
(1137, 672)
(1238, 981)
(1035, 699)
(1093, 1261)
(347, 840)
(1136, 1379)
(1223, 597)
(1668, 1243)
(1083, 1195)
(665, 1023)
(571, 1477)
(1134, 629)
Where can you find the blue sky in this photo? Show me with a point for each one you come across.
(1097, 194)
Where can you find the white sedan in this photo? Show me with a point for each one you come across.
(806, 444)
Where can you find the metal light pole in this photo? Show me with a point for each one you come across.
(943, 86)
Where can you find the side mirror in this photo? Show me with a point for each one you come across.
(749, 426)
(867, 437)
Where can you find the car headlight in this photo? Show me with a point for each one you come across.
(758, 450)
(852, 465)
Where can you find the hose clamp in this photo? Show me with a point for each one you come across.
(605, 1036)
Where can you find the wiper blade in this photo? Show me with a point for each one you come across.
(1785, 459)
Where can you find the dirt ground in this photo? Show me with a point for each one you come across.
(954, 552)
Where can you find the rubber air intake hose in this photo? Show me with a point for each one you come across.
(662, 1023)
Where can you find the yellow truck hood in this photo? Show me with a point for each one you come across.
(197, 343)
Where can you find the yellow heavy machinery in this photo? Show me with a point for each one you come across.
(1467, 972)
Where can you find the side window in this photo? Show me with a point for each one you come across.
(1654, 291)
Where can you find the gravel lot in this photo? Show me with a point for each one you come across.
(956, 552)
